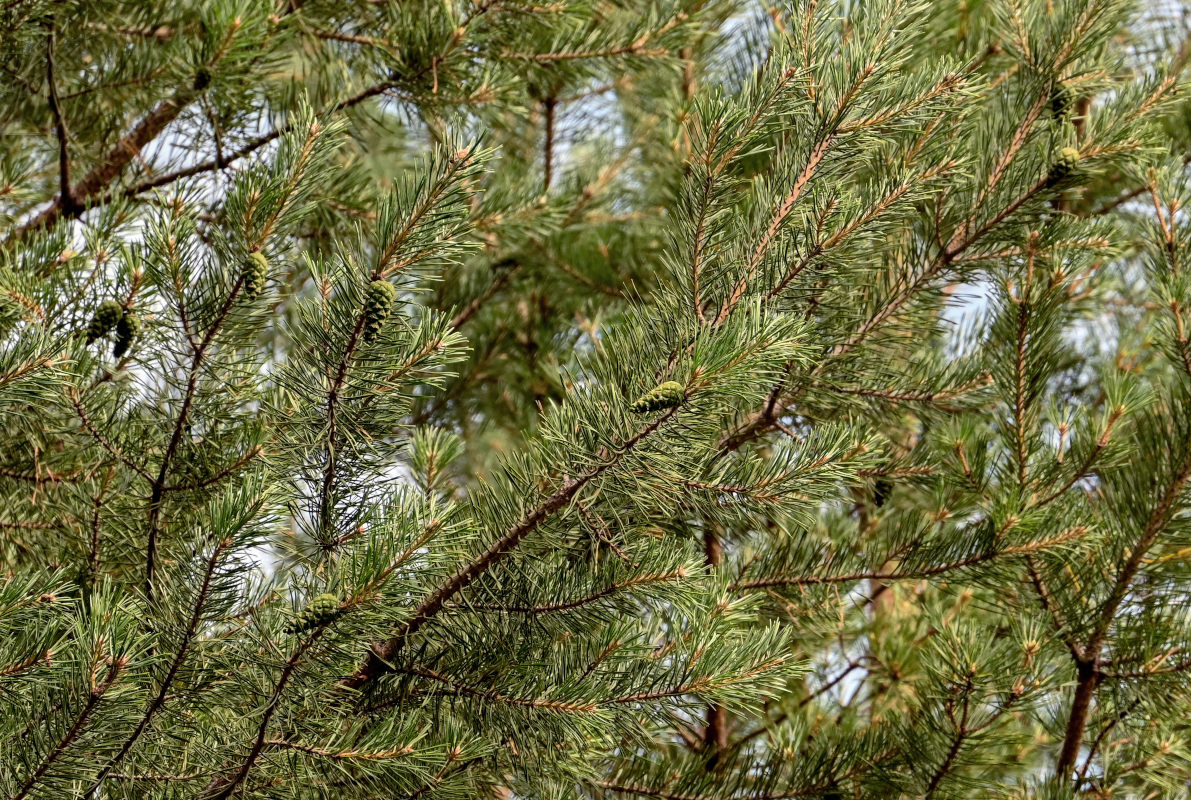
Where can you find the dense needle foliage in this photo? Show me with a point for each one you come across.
(682, 399)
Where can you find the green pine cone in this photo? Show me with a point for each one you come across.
(665, 395)
(256, 273)
(321, 610)
(378, 304)
(1065, 164)
(106, 316)
(126, 330)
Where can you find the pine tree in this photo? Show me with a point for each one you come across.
(683, 399)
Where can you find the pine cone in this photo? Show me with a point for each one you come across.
(126, 330)
(321, 610)
(1064, 165)
(106, 317)
(377, 306)
(881, 489)
(1060, 102)
(202, 78)
(665, 395)
(256, 273)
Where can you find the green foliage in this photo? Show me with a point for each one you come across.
(373, 497)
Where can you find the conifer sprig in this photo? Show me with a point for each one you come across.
(682, 399)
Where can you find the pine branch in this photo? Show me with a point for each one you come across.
(248, 148)
(65, 193)
(472, 308)
(961, 735)
(103, 441)
(827, 686)
(38, 477)
(219, 475)
(377, 664)
(915, 574)
(548, 105)
(715, 734)
(664, 794)
(223, 788)
(183, 648)
(387, 267)
(98, 690)
(29, 663)
(762, 422)
(256, 143)
(72, 202)
(570, 605)
(1088, 668)
(198, 361)
(341, 755)
(545, 704)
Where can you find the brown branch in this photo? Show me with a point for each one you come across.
(1174, 669)
(926, 572)
(247, 149)
(1020, 352)
(326, 499)
(93, 697)
(763, 421)
(1048, 605)
(65, 193)
(1090, 461)
(464, 690)
(936, 399)
(30, 662)
(96, 514)
(102, 440)
(48, 477)
(128, 148)
(340, 755)
(221, 789)
(157, 492)
(385, 267)
(255, 144)
(822, 690)
(569, 605)
(715, 733)
(160, 698)
(469, 311)
(779, 217)
(664, 794)
(230, 469)
(548, 147)
(635, 49)
(1083, 770)
(1088, 668)
(375, 665)
(961, 734)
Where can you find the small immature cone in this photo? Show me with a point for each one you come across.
(126, 330)
(1060, 102)
(321, 610)
(378, 304)
(664, 395)
(1064, 165)
(106, 317)
(256, 273)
